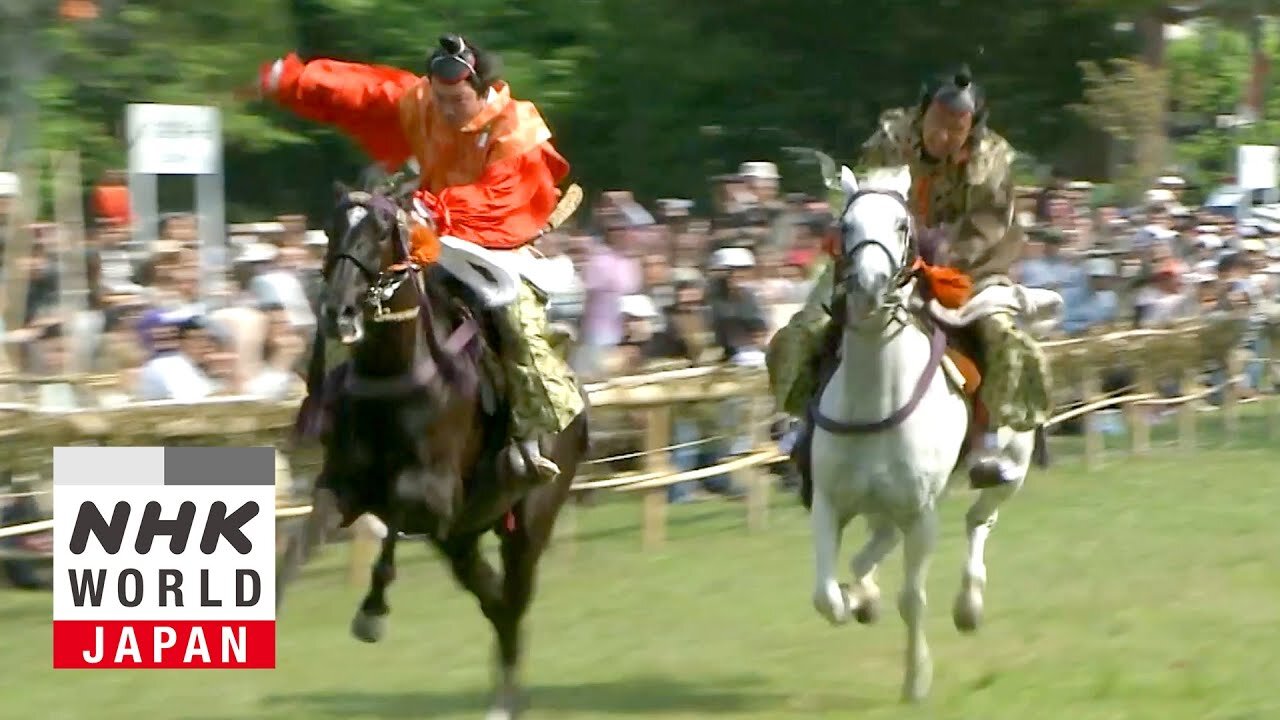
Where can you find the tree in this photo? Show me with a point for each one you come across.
(1128, 102)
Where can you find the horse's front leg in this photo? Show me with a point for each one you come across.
(979, 521)
(830, 599)
(521, 551)
(478, 577)
(370, 621)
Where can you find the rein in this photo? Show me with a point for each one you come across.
(937, 348)
(907, 271)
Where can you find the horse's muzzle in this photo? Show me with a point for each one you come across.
(348, 326)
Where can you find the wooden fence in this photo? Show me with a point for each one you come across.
(1166, 366)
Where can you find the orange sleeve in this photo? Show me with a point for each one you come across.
(361, 100)
(508, 206)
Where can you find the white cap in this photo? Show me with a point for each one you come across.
(638, 306)
(10, 185)
(1209, 240)
(258, 228)
(1253, 245)
(731, 257)
(1101, 267)
(1079, 185)
(257, 252)
(1170, 181)
(316, 237)
(759, 170)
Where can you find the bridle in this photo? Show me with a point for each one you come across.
(904, 269)
(383, 284)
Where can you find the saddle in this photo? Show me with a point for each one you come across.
(962, 363)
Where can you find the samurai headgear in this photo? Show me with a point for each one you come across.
(957, 92)
(454, 62)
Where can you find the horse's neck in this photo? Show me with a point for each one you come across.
(392, 348)
(877, 373)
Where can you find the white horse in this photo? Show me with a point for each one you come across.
(890, 429)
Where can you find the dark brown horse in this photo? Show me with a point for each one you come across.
(414, 426)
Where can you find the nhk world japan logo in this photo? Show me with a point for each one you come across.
(164, 557)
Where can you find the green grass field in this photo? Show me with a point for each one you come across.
(1147, 590)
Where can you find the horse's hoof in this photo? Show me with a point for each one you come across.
(508, 709)
(868, 612)
(967, 611)
(368, 628)
(836, 609)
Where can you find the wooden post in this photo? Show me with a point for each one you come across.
(757, 478)
(1273, 368)
(18, 246)
(366, 541)
(1233, 369)
(73, 276)
(657, 435)
(1139, 414)
(1187, 410)
(1094, 445)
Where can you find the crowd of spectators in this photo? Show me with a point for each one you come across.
(641, 287)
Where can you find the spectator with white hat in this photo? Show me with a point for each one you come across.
(275, 285)
(762, 180)
(735, 308)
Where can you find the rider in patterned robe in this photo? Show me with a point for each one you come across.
(488, 174)
(963, 191)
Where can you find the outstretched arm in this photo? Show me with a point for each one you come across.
(361, 100)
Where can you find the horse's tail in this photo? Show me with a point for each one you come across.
(1040, 452)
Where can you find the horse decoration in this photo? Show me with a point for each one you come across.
(892, 424)
(416, 423)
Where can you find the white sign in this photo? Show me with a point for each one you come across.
(1256, 166)
(164, 557)
(174, 140)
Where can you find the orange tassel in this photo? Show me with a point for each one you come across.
(424, 244)
(950, 287)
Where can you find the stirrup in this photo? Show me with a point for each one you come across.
(527, 459)
(989, 468)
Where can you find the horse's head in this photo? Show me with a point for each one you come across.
(372, 233)
(876, 240)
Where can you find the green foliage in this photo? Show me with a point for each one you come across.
(1127, 101)
(1210, 75)
(631, 89)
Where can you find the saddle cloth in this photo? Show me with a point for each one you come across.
(1036, 308)
(550, 276)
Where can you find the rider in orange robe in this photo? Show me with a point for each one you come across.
(487, 166)
(488, 174)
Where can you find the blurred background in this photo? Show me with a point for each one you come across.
(1147, 184)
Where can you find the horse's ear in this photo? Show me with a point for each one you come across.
(848, 182)
(340, 189)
